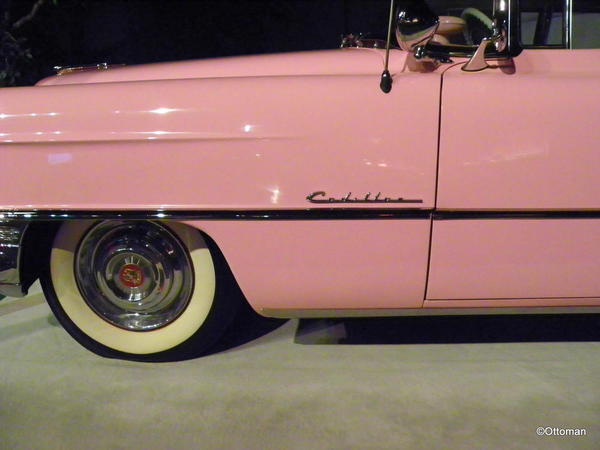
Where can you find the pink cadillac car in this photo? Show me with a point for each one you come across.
(454, 168)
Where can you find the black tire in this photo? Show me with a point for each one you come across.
(81, 298)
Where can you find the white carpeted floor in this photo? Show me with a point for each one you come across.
(283, 392)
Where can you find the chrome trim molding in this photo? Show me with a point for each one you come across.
(360, 40)
(357, 213)
(342, 313)
(568, 24)
(64, 70)
(495, 215)
(283, 214)
(11, 239)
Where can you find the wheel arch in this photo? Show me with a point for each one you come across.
(39, 236)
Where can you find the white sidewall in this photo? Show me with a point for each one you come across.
(135, 342)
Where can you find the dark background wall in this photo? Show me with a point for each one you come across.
(75, 32)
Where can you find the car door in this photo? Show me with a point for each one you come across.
(519, 165)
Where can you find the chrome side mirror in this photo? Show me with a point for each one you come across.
(498, 39)
(415, 25)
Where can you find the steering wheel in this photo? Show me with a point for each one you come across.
(479, 25)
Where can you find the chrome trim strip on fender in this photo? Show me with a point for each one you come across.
(523, 215)
(292, 214)
(63, 70)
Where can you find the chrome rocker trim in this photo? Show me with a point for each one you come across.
(412, 312)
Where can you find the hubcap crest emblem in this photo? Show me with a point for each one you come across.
(131, 275)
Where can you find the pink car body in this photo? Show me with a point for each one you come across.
(491, 178)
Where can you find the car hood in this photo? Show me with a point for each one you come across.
(326, 62)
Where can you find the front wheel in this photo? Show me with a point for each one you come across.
(137, 290)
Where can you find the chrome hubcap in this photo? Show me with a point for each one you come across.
(135, 275)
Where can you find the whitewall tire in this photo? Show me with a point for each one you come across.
(136, 290)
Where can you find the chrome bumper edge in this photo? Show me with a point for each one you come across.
(11, 240)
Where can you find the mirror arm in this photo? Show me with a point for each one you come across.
(477, 62)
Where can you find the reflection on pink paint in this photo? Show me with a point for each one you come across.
(59, 158)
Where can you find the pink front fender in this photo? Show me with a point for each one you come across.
(250, 142)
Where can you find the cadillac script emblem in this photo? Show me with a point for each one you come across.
(321, 197)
